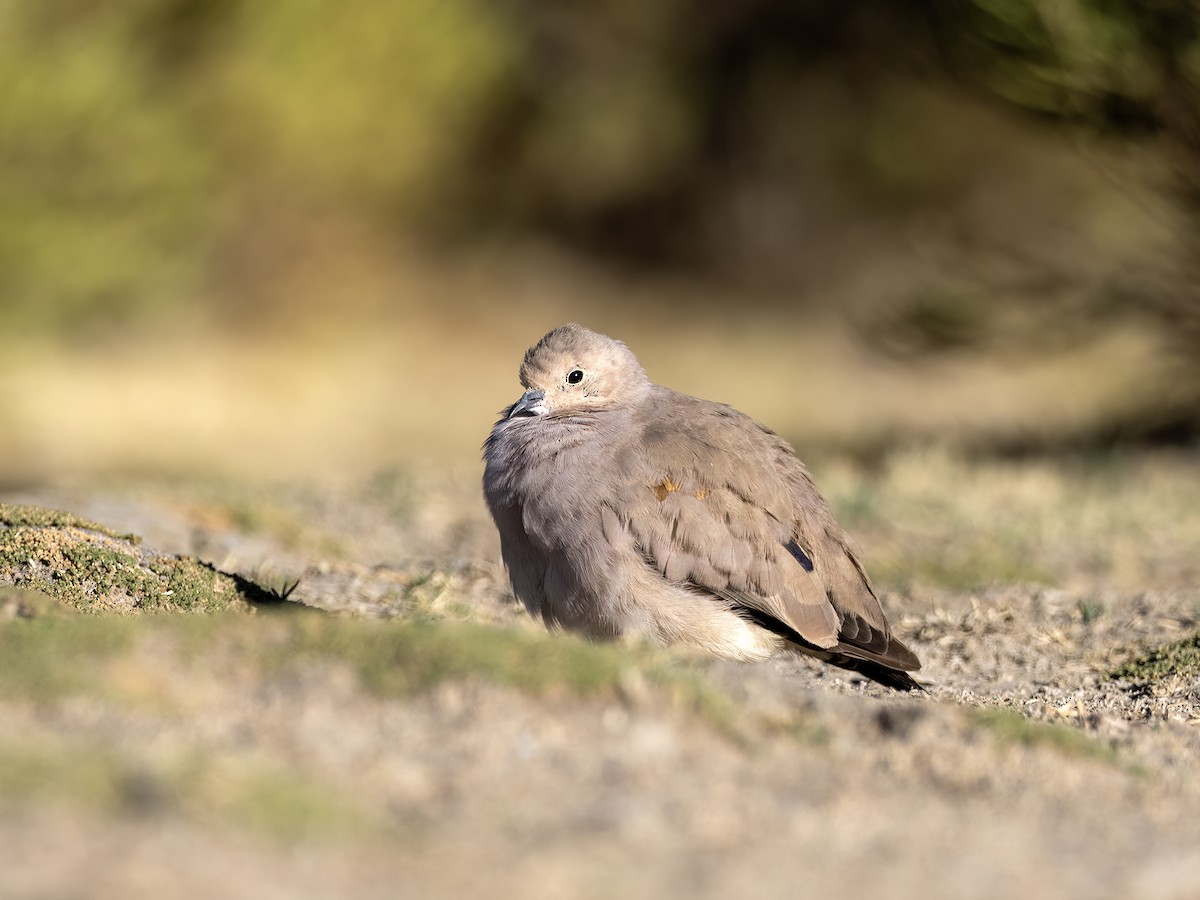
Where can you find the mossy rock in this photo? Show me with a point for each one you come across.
(13, 516)
(94, 569)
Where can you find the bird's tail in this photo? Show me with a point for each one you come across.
(885, 675)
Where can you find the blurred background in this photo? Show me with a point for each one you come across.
(311, 235)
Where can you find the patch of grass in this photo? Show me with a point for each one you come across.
(930, 517)
(289, 806)
(1180, 659)
(800, 725)
(281, 803)
(404, 657)
(1089, 610)
(34, 775)
(94, 569)
(48, 658)
(959, 569)
(1014, 728)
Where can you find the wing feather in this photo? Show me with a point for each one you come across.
(719, 503)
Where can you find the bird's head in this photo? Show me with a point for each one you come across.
(573, 371)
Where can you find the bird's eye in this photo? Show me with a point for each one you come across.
(575, 376)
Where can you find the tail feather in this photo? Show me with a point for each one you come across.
(888, 668)
(896, 679)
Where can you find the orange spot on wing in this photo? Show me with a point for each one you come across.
(666, 486)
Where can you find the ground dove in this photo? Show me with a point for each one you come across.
(627, 509)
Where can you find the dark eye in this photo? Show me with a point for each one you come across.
(575, 376)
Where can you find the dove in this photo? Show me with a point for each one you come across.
(629, 510)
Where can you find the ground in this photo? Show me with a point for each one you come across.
(392, 725)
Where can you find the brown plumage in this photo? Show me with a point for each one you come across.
(626, 508)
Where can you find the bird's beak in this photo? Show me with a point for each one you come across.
(532, 403)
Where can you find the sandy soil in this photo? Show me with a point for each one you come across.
(1025, 769)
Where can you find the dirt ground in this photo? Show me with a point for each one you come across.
(394, 749)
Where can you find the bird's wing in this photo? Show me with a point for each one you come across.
(705, 510)
(864, 633)
(715, 501)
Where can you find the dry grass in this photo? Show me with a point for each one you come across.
(360, 394)
(931, 519)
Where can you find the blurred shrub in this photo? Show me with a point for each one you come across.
(137, 135)
(1120, 68)
(102, 189)
(159, 151)
(368, 103)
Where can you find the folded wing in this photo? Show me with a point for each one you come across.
(729, 510)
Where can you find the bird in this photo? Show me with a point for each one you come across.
(627, 510)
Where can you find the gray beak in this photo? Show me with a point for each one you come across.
(532, 403)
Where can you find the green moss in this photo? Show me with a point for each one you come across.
(41, 517)
(95, 569)
(1181, 659)
(1014, 728)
